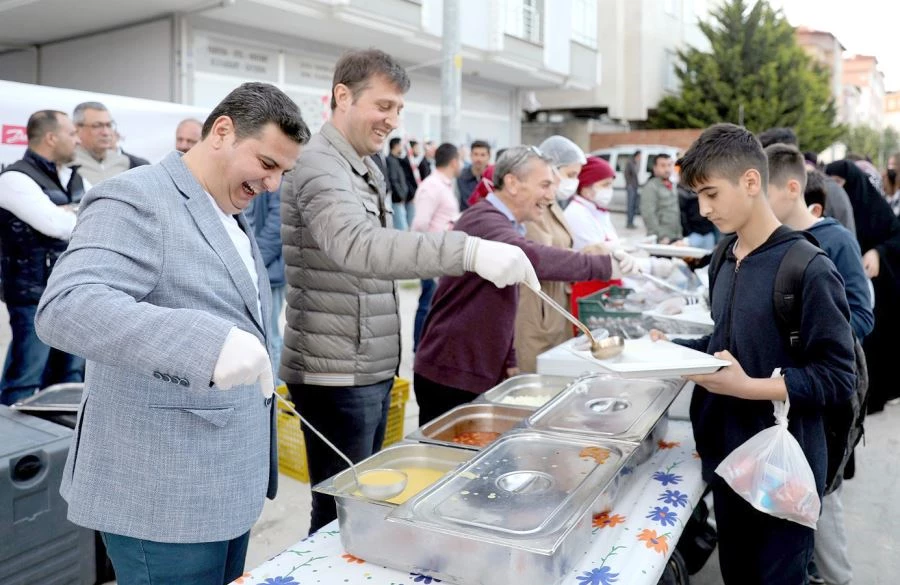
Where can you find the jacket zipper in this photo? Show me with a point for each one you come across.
(730, 322)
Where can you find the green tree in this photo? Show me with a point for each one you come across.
(755, 74)
(867, 141)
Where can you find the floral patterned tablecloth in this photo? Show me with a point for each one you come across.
(630, 545)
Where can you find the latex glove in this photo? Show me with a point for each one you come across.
(243, 360)
(504, 264)
(661, 267)
(627, 263)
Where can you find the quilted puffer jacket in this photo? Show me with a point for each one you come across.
(343, 325)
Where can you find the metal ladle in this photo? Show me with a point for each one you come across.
(371, 490)
(601, 350)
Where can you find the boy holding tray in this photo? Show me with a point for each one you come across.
(727, 167)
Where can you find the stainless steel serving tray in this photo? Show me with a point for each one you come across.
(472, 417)
(527, 390)
(609, 407)
(62, 398)
(364, 529)
(521, 508)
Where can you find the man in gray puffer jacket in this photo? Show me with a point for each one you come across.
(342, 339)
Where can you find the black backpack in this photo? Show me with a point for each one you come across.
(843, 423)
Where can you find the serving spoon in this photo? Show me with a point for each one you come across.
(382, 484)
(602, 349)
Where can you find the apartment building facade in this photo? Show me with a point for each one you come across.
(165, 51)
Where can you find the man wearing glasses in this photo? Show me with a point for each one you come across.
(97, 156)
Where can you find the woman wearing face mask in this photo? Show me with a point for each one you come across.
(539, 328)
(592, 227)
(587, 214)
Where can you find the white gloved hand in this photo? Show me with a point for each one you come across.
(627, 263)
(504, 264)
(661, 267)
(243, 360)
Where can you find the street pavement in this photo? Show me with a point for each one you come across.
(871, 500)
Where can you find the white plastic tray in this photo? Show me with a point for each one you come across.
(691, 314)
(674, 251)
(643, 358)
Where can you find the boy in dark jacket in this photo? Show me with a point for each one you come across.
(728, 169)
(802, 210)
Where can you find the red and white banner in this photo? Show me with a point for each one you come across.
(147, 127)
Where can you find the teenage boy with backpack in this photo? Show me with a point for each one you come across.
(797, 199)
(727, 168)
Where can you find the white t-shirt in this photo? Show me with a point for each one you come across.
(242, 244)
(589, 224)
(22, 197)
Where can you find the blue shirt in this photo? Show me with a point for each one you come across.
(842, 249)
(498, 203)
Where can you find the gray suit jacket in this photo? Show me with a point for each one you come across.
(147, 291)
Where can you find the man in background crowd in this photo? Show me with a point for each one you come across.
(398, 186)
(480, 153)
(427, 164)
(436, 209)
(631, 188)
(97, 155)
(187, 134)
(38, 196)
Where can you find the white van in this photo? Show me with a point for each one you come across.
(618, 157)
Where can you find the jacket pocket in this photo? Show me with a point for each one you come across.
(214, 406)
(377, 214)
(215, 416)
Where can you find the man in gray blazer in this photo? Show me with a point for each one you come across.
(174, 451)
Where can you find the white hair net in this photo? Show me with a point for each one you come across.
(563, 151)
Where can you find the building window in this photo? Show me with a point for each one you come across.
(584, 22)
(524, 19)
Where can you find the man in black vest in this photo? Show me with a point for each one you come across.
(38, 198)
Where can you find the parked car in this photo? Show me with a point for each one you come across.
(618, 157)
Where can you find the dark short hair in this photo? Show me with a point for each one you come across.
(636, 153)
(413, 143)
(445, 154)
(782, 135)
(251, 106)
(40, 123)
(356, 68)
(726, 151)
(785, 163)
(394, 142)
(811, 157)
(515, 160)
(815, 191)
(661, 156)
(480, 144)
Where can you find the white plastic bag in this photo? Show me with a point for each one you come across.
(771, 472)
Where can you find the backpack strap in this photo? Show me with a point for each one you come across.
(715, 263)
(786, 294)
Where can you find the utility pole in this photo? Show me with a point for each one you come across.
(451, 73)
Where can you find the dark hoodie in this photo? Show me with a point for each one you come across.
(743, 311)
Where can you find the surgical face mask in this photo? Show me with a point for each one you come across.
(567, 188)
(603, 196)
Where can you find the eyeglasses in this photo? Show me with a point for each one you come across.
(527, 151)
(97, 126)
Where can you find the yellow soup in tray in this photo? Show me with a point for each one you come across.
(419, 479)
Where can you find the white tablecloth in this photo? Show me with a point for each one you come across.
(630, 545)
